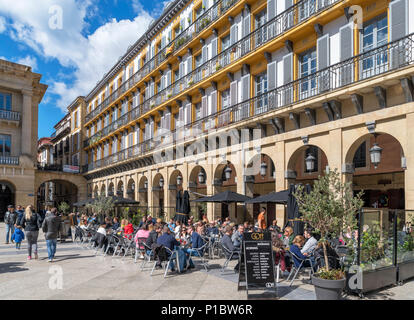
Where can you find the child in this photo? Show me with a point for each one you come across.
(18, 236)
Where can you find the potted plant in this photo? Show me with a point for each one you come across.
(330, 208)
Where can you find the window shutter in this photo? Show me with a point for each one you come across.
(204, 107)
(346, 34)
(213, 102)
(152, 89)
(168, 76)
(181, 70)
(288, 68)
(189, 64)
(398, 19)
(163, 122)
(233, 34)
(147, 92)
(271, 9)
(233, 93)
(272, 75)
(205, 54)
(180, 116)
(163, 82)
(151, 129)
(246, 25)
(168, 120)
(288, 4)
(214, 47)
(323, 52)
(188, 113)
(245, 87)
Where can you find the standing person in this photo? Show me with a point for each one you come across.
(261, 219)
(73, 218)
(18, 236)
(51, 227)
(31, 222)
(10, 220)
(20, 214)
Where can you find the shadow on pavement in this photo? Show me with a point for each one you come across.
(69, 257)
(12, 267)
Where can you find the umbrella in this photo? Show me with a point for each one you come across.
(225, 197)
(82, 203)
(182, 207)
(280, 197)
(293, 210)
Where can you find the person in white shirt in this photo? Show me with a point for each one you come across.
(102, 229)
(310, 244)
(177, 229)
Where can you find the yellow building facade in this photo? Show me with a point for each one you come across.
(252, 96)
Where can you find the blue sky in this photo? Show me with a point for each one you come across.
(72, 45)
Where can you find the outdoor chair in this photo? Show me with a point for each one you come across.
(165, 256)
(121, 245)
(295, 270)
(200, 252)
(113, 241)
(230, 255)
(342, 252)
(147, 256)
(129, 246)
(139, 248)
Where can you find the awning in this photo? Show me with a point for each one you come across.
(225, 197)
(280, 197)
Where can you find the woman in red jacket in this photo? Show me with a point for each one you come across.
(128, 230)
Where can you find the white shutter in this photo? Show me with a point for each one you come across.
(214, 47)
(271, 9)
(181, 70)
(188, 113)
(288, 68)
(168, 121)
(323, 52)
(233, 93)
(204, 53)
(204, 107)
(168, 77)
(245, 87)
(213, 102)
(398, 19)
(233, 34)
(189, 64)
(272, 75)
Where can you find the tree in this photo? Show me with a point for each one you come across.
(331, 207)
(101, 205)
(64, 207)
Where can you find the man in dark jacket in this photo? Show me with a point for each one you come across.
(20, 213)
(228, 244)
(10, 220)
(51, 227)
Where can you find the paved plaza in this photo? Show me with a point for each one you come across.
(88, 276)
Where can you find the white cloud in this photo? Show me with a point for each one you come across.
(90, 56)
(2, 24)
(28, 61)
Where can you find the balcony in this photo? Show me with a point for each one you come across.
(383, 60)
(202, 23)
(286, 20)
(7, 160)
(9, 116)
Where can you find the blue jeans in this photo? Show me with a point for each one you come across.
(51, 248)
(9, 231)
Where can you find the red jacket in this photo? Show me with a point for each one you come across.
(128, 229)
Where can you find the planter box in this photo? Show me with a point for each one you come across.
(375, 279)
(405, 270)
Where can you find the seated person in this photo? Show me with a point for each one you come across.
(167, 240)
(154, 231)
(128, 229)
(116, 224)
(108, 222)
(185, 236)
(274, 227)
(295, 247)
(228, 244)
(212, 229)
(333, 258)
(100, 238)
(237, 237)
(288, 236)
(196, 241)
(310, 243)
(279, 252)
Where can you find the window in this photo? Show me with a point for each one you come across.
(225, 99)
(307, 66)
(374, 34)
(177, 31)
(198, 60)
(198, 112)
(260, 20)
(199, 12)
(225, 42)
(260, 88)
(5, 101)
(360, 157)
(176, 74)
(5, 145)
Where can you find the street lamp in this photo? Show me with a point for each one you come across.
(310, 163)
(146, 185)
(375, 153)
(263, 169)
(227, 172)
(179, 180)
(201, 177)
(161, 182)
(3, 187)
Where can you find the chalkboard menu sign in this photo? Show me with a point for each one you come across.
(258, 261)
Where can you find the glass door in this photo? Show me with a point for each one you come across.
(307, 66)
(261, 88)
(374, 35)
(261, 33)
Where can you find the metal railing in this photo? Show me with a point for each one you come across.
(386, 58)
(9, 115)
(183, 38)
(269, 31)
(7, 160)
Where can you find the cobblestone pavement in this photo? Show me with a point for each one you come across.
(89, 276)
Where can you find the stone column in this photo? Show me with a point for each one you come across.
(334, 156)
(409, 172)
(281, 183)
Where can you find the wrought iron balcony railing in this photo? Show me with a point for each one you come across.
(384, 59)
(269, 31)
(205, 20)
